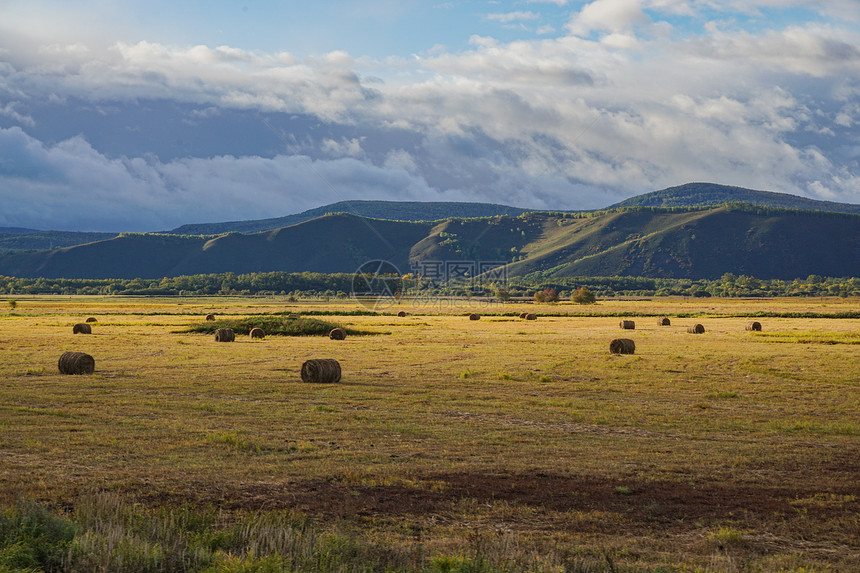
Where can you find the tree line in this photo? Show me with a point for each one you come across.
(309, 284)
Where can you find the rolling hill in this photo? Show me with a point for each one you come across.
(31, 240)
(652, 242)
(704, 194)
(392, 210)
(690, 195)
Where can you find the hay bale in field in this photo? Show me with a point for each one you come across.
(627, 325)
(474, 316)
(76, 363)
(696, 329)
(622, 346)
(91, 319)
(321, 371)
(257, 332)
(663, 321)
(337, 334)
(210, 317)
(531, 316)
(401, 314)
(754, 325)
(523, 314)
(82, 328)
(225, 335)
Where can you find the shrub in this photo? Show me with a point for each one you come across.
(583, 296)
(546, 295)
(32, 538)
(271, 325)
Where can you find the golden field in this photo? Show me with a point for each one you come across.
(517, 444)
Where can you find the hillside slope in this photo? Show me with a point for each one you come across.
(707, 244)
(672, 243)
(336, 243)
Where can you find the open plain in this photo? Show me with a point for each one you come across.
(451, 444)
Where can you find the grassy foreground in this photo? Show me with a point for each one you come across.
(450, 445)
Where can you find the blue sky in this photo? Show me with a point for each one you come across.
(142, 116)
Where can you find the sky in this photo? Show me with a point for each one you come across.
(147, 115)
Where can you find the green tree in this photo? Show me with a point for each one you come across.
(583, 296)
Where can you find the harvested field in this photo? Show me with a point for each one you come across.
(497, 440)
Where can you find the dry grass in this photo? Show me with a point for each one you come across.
(733, 448)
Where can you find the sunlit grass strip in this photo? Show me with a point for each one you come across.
(841, 428)
(811, 337)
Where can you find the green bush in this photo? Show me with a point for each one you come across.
(271, 325)
(33, 539)
(583, 296)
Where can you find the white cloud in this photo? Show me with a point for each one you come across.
(72, 186)
(509, 17)
(607, 16)
(343, 148)
(618, 107)
(9, 111)
(813, 50)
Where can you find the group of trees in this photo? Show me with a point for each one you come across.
(341, 285)
(729, 285)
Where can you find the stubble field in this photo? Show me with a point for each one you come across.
(449, 445)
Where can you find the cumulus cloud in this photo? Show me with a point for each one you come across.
(512, 17)
(607, 16)
(72, 186)
(620, 105)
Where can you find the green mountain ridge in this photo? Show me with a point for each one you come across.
(393, 210)
(651, 242)
(705, 194)
(689, 195)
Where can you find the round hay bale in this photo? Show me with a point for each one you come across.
(523, 314)
(622, 346)
(663, 321)
(82, 328)
(210, 317)
(401, 314)
(531, 316)
(92, 319)
(225, 335)
(76, 363)
(754, 325)
(474, 316)
(321, 371)
(627, 325)
(337, 334)
(696, 329)
(257, 332)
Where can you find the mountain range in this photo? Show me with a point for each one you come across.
(672, 233)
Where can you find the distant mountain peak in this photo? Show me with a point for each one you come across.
(706, 194)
